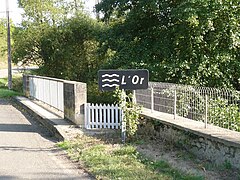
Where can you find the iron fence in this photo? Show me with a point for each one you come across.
(220, 107)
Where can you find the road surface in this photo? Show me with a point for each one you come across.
(28, 152)
(15, 70)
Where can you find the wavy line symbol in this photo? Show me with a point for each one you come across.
(110, 80)
(110, 75)
(110, 85)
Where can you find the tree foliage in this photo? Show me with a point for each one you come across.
(187, 41)
(64, 49)
(3, 37)
(70, 51)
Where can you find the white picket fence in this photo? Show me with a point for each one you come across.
(102, 116)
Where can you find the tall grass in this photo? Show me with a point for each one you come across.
(17, 87)
(115, 161)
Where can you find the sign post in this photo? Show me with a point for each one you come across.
(123, 125)
(130, 79)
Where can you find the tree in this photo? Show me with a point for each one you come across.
(3, 38)
(70, 51)
(66, 48)
(192, 42)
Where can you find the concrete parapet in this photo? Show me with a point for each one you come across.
(74, 97)
(25, 85)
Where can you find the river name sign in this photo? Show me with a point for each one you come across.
(130, 79)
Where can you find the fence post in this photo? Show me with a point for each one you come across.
(134, 99)
(206, 109)
(86, 115)
(26, 86)
(152, 100)
(175, 104)
(123, 121)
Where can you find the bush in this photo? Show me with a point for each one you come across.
(94, 95)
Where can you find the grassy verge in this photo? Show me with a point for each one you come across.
(17, 87)
(3, 61)
(114, 161)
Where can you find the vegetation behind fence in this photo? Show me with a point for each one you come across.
(220, 107)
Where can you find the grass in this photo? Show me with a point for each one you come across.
(115, 161)
(3, 61)
(17, 87)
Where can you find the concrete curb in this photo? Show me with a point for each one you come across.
(59, 127)
(56, 131)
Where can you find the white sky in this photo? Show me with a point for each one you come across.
(15, 12)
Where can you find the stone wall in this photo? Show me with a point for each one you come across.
(218, 151)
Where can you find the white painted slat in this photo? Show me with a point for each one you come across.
(41, 93)
(112, 116)
(34, 88)
(108, 116)
(86, 115)
(93, 117)
(96, 116)
(116, 116)
(100, 115)
(90, 116)
(60, 96)
(104, 116)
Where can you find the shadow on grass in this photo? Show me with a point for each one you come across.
(116, 161)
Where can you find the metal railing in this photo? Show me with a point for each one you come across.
(220, 107)
(47, 90)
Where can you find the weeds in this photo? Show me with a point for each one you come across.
(17, 87)
(115, 161)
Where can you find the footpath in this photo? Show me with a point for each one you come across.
(27, 150)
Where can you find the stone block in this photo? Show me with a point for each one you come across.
(75, 96)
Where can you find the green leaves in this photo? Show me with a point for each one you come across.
(192, 42)
(131, 111)
(63, 47)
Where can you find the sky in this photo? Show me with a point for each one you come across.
(15, 12)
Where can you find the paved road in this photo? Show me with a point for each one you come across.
(27, 151)
(3, 73)
(15, 70)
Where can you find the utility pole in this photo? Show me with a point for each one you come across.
(9, 47)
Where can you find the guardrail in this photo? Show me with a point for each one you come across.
(66, 96)
(220, 107)
(47, 90)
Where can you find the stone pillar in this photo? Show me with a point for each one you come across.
(26, 90)
(75, 96)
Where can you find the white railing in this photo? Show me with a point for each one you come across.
(220, 107)
(102, 116)
(47, 90)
